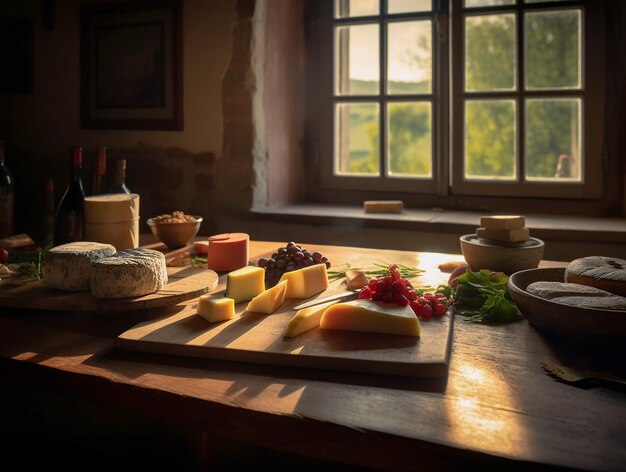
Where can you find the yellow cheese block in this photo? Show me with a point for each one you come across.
(502, 222)
(517, 235)
(371, 317)
(216, 309)
(306, 319)
(383, 206)
(306, 282)
(246, 283)
(269, 300)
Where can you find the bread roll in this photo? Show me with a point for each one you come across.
(582, 296)
(606, 273)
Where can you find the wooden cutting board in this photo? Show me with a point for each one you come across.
(257, 338)
(184, 284)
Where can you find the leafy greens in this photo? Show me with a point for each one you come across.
(483, 297)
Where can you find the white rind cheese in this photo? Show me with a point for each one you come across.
(67, 267)
(128, 273)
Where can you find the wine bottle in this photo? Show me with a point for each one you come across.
(99, 176)
(119, 183)
(6, 197)
(70, 214)
(46, 237)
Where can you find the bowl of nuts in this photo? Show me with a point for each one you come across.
(175, 230)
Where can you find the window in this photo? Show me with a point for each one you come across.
(471, 97)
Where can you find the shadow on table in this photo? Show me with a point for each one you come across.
(135, 364)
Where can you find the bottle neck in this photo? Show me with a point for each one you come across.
(102, 161)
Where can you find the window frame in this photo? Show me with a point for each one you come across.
(592, 108)
(323, 186)
(437, 97)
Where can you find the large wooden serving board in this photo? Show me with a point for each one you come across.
(184, 284)
(258, 338)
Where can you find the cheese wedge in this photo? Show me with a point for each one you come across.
(269, 300)
(305, 319)
(371, 317)
(216, 309)
(246, 283)
(306, 282)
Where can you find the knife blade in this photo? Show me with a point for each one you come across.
(347, 295)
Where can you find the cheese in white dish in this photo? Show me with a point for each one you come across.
(68, 266)
(128, 273)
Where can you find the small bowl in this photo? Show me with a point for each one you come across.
(175, 235)
(482, 254)
(594, 327)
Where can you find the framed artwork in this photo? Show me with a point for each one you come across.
(131, 70)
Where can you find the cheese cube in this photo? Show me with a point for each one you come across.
(371, 317)
(306, 282)
(269, 300)
(305, 319)
(383, 206)
(502, 222)
(246, 283)
(504, 235)
(216, 309)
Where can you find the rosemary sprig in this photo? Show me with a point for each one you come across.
(380, 270)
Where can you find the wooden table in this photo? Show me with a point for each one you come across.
(68, 392)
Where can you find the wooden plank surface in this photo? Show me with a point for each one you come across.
(258, 338)
(183, 284)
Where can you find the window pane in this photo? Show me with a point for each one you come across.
(356, 138)
(487, 3)
(346, 8)
(410, 57)
(553, 139)
(405, 6)
(409, 127)
(356, 60)
(490, 129)
(552, 49)
(490, 61)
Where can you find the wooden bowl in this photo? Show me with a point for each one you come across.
(482, 254)
(589, 326)
(175, 235)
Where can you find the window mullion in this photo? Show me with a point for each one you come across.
(521, 101)
(382, 91)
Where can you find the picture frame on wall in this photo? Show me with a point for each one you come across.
(131, 66)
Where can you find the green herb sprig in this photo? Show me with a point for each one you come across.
(380, 270)
(483, 297)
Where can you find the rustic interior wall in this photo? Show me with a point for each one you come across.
(170, 169)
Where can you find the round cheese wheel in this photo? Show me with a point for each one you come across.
(228, 251)
(111, 208)
(68, 266)
(128, 273)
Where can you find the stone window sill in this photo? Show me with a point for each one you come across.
(566, 237)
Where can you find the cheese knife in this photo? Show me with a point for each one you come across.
(341, 296)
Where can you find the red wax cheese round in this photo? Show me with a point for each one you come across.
(228, 251)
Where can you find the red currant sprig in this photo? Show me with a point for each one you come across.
(394, 288)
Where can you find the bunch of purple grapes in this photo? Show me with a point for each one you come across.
(288, 258)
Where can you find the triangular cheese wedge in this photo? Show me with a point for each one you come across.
(269, 300)
(306, 282)
(371, 317)
(306, 319)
